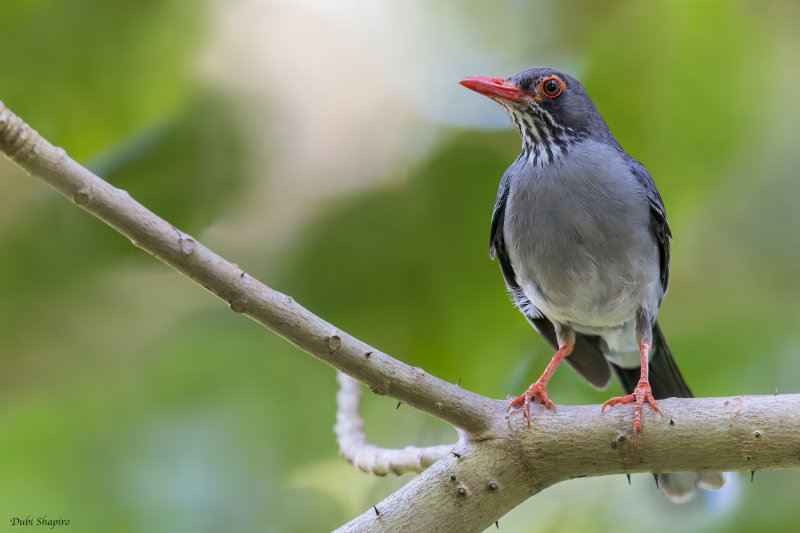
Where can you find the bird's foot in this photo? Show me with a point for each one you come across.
(537, 390)
(642, 393)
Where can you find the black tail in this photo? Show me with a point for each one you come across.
(665, 378)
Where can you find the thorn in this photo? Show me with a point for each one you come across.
(776, 391)
(458, 383)
(629, 479)
(367, 354)
(457, 455)
(452, 477)
(376, 510)
(398, 405)
(752, 475)
(497, 524)
(655, 476)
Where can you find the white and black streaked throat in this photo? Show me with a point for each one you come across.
(544, 140)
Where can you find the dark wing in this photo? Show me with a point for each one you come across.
(665, 378)
(586, 358)
(658, 218)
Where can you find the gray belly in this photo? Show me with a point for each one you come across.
(582, 248)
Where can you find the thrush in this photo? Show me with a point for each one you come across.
(581, 235)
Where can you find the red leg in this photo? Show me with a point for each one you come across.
(641, 393)
(539, 388)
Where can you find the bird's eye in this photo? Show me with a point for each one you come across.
(552, 86)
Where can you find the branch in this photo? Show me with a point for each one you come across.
(245, 294)
(370, 458)
(481, 481)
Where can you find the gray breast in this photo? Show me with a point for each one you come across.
(579, 238)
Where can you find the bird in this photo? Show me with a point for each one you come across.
(581, 235)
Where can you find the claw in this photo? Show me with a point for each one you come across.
(641, 394)
(537, 390)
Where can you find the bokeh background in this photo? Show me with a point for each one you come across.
(327, 149)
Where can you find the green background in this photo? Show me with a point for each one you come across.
(327, 149)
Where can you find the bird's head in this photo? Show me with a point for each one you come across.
(551, 109)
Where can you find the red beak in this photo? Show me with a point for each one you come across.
(494, 88)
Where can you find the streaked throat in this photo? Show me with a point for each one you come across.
(544, 140)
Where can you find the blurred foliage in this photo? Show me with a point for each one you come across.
(132, 401)
(110, 68)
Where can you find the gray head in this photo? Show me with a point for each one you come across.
(551, 110)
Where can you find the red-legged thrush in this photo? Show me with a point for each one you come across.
(581, 235)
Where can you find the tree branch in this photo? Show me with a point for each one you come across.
(481, 481)
(498, 461)
(353, 444)
(245, 294)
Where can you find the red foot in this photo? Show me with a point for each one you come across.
(539, 390)
(641, 394)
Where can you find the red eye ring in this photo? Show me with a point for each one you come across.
(551, 89)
